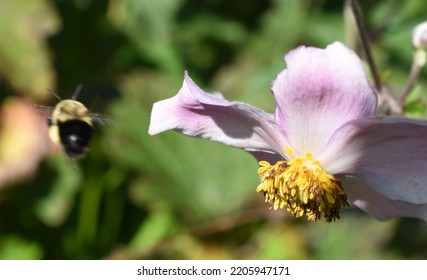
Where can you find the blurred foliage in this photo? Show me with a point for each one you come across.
(170, 196)
(25, 54)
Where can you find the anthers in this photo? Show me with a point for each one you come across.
(302, 187)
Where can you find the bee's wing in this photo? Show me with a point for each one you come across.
(100, 119)
(43, 109)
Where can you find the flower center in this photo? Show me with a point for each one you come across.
(303, 187)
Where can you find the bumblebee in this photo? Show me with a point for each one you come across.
(71, 125)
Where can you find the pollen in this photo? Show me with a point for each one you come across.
(302, 187)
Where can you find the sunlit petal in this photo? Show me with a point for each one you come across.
(196, 113)
(319, 91)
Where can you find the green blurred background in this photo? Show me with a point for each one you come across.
(168, 196)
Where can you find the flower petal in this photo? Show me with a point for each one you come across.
(378, 206)
(319, 91)
(195, 113)
(388, 153)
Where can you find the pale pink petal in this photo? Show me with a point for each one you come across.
(194, 112)
(377, 205)
(389, 153)
(320, 90)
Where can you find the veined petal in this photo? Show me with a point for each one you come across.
(388, 153)
(195, 113)
(320, 90)
(377, 205)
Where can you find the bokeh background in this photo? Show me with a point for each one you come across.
(169, 196)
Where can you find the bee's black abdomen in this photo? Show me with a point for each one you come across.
(75, 137)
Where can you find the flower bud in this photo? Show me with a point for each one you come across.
(419, 36)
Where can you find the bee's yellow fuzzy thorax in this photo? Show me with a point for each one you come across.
(68, 109)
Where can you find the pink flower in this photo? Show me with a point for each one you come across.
(323, 147)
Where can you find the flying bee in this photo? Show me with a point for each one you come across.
(71, 125)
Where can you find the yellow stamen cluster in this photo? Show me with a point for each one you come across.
(302, 187)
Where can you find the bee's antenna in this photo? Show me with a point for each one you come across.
(54, 94)
(77, 92)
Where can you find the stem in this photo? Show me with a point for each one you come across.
(413, 75)
(365, 43)
(394, 107)
(420, 57)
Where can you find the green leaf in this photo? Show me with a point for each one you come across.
(15, 248)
